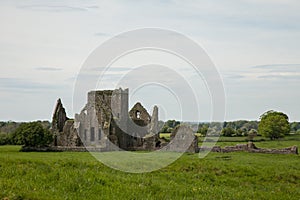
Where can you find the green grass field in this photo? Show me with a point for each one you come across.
(70, 175)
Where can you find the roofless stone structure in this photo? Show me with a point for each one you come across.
(106, 123)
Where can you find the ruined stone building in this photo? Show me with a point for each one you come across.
(106, 123)
(63, 128)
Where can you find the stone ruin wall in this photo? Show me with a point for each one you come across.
(62, 128)
(250, 147)
(93, 126)
(182, 139)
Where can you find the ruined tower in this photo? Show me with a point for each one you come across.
(103, 117)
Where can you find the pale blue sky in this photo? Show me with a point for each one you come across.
(255, 44)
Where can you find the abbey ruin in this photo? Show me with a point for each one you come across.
(106, 123)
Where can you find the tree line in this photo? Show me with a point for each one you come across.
(272, 125)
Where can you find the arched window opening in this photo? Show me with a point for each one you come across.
(138, 114)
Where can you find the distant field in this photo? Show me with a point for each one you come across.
(259, 141)
(70, 175)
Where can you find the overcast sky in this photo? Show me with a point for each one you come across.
(255, 44)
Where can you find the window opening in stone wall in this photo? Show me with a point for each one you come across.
(138, 114)
(84, 135)
(99, 134)
(92, 134)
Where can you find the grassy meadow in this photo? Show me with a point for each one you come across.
(77, 175)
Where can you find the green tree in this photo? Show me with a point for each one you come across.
(172, 123)
(295, 126)
(274, 125)
(4, 139)
(169, 126)
(32, 134)
(202, 129)
(228, 132)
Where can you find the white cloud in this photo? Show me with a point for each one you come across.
(48, 68)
